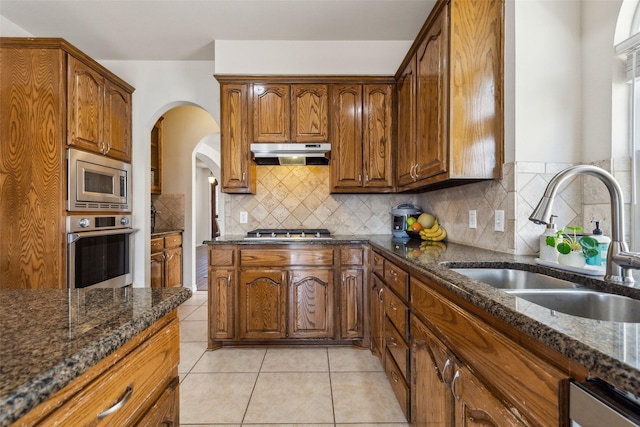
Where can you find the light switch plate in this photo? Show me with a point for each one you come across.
(499, 220)
(244, 217)
(473, 219)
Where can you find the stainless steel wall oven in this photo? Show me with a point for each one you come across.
(99, 251)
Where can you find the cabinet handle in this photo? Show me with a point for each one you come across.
(392, 306)
(119, 404)
(359, 177)
(380, 293)
(244, 174)
(393, 273)
(453, 385)
(444, 370)
(392, 342)
(394, 376)
(416, 176)
(167, 423)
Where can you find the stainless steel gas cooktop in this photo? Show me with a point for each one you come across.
(289, 234)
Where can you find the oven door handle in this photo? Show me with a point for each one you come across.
(74, 237)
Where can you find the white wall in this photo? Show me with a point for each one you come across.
(548, 96)
(308, 57)
(202, 208)
(160, 86)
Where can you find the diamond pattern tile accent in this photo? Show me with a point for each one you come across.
(295, 197)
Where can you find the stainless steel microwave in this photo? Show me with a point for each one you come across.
(97, 183)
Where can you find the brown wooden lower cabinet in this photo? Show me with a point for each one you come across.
(287, 294)
(143, 374)
(493, 380)
(166, 261)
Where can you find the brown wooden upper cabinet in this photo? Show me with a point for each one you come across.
(299, 109)
(237, 169)
(284, 113)
(156, 157)
(99, 118)
(361, 125)
(56, 97)
(450, 98)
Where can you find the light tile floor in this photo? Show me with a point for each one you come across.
(333, 386)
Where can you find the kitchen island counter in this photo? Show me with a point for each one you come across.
(608, 350)
(48, 338)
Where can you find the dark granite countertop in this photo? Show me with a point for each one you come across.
(159, 233)
(609, 350)
(50, 337)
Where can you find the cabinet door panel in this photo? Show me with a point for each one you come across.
(376, 300)
(431, 399)
(476, 406)
(262, 304)
(311, 303)
(309, 116)
(431, 100)
(236, 166)
(117, 121)
(86, 106)
(346, 140)
(352, 305)
(173, 267)
(378, 102)
(157, 270)
(406, 152)
(271, 112)
(221, 304)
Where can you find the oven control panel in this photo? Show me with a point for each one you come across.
(82, 223)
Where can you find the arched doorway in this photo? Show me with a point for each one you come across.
(183, 128)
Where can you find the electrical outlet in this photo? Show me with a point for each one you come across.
(244, 217)
(473, 219)
(499, 220)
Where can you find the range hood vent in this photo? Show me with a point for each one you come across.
(295, 154)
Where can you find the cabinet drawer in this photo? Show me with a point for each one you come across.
(157, 245)
(136, 379)
(397, 312)
(397, 279)
(398, 385)
(397, 347)
(377, 265)
(221, 256)
(352, 256)
(315, 257)
(173, 241)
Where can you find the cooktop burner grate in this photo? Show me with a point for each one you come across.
(289, 234)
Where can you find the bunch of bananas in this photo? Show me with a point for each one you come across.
(435, 233)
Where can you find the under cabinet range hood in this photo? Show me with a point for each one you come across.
(295, 154)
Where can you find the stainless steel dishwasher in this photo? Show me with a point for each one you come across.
(596, 404)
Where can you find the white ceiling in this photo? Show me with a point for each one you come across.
(186, 29)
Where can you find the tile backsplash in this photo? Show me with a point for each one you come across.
(298, 197)
(170, 211)
(295, 197)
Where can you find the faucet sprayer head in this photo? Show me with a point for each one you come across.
(542, 213)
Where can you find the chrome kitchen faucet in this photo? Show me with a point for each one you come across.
(619, 260)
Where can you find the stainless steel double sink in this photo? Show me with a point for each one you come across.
(558, 294)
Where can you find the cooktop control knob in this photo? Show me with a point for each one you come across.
(273, 234)
(84, 222)
(302, 234)
(124, 220)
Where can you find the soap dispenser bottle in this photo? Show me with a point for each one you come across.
(599, 260)
(548, 251)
